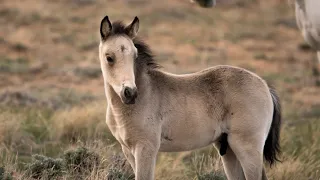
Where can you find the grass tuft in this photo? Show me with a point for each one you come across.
(45, 167)
(17, 66)
(5, 175)
(211, 176)
(119, 169)
(81, 160)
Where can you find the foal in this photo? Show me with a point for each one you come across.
(150, 110)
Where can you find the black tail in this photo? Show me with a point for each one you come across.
(272, 147)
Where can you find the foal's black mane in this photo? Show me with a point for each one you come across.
(145, 55)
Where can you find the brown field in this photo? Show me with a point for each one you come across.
(52, 103)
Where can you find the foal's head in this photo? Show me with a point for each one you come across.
(117, 54)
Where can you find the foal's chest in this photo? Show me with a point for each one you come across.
(121, 131)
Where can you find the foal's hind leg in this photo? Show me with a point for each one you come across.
(249, 152)
(232, 166)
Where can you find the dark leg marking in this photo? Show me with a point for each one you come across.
(223, 144)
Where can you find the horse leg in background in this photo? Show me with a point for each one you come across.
(129, 157)
(205, 3)
(316, 69)
(231, 165)
(145, 160)
(249, 151)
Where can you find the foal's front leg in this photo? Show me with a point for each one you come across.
(145, 160)
(129, 157)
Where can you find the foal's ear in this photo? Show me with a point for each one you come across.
(133, 28)
(105, 28)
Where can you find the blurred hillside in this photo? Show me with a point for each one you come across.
(51, 87)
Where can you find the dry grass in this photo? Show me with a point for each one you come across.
(83, 122)
(79, 126)
(51, 91)
(301, 147)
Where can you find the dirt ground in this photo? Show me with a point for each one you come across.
(54, 43)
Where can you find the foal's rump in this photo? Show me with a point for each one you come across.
(253, 109)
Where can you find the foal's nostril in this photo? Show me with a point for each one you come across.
(127, 93)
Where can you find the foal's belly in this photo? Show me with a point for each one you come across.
(182, 145)
(175, 139)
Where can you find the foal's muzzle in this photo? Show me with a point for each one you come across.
(129, 95)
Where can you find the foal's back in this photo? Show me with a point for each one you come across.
(216, 82)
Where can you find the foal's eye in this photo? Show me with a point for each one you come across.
(110, 59)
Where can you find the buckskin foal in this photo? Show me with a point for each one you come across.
(150, 110)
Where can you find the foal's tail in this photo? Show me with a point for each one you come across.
(272, 147)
